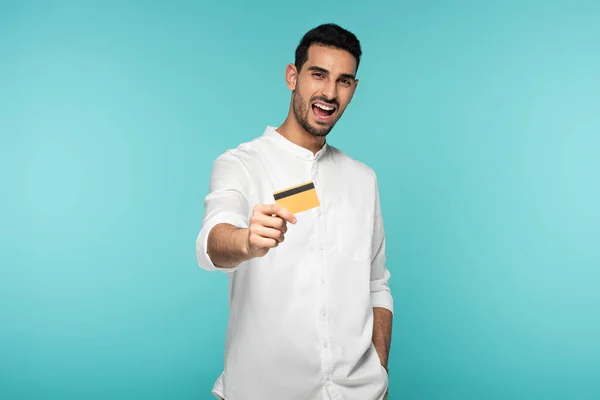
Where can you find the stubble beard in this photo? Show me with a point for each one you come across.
(301, 110)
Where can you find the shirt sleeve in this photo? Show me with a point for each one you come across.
(227, 202)
(381, 295)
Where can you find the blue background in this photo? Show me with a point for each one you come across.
(481, 119)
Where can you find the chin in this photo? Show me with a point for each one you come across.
(320, 131)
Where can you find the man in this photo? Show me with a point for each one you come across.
(310, 306)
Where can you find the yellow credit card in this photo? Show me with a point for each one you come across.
(298, 198)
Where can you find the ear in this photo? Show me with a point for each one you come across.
(291, 76)
(354, 86)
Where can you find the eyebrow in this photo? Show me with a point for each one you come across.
(323, 70)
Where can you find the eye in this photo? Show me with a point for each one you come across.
(318, 75)
(345, 82)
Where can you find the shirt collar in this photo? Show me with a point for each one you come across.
(299, 151)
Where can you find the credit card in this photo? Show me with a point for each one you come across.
(298, 198)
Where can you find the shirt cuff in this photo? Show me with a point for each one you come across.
(202, 257)
(383, 299)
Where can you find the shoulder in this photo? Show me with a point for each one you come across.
(241, 155)
(232, 168)
(357, 169)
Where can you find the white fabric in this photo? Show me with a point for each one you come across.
(301, 317)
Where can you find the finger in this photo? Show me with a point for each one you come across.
(285, 214)
(276, 209)
(258, 220)
(264, 243)
(269, 233)
(271, 222)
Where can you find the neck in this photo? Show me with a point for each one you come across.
(292, 131)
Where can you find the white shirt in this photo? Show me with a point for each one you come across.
(301, 317)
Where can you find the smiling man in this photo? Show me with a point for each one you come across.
(310, 306)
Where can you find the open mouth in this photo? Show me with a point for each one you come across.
(323, 111)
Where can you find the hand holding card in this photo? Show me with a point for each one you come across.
(268, 225)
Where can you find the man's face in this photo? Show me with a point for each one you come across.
(323, 88)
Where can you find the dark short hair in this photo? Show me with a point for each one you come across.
(329, 35)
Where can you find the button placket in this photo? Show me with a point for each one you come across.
(326, 363)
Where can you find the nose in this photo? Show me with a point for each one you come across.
(329, 89)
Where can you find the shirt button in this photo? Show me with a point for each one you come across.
(323, 313)
(322, 280)
(325, 344)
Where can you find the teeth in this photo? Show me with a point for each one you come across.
(324, 107)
